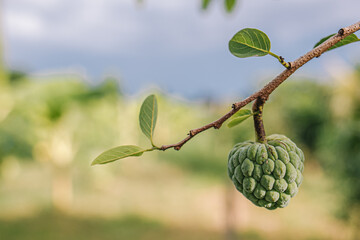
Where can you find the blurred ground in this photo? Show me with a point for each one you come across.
(147, 199)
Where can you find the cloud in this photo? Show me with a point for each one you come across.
(89, 25)
(110, 26)
(159, 35)
(24, 25)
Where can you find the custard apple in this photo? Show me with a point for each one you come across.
(268, 174)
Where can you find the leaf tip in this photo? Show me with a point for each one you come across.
(93, 163)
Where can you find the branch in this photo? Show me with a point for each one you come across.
(258, 120)
(265, 92)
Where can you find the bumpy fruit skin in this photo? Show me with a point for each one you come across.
(267, 174)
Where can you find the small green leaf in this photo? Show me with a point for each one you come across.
(230, 5)
(349, 39)
(118, 153)
(239, 117)
(249, 42)
(242, 112)
(148, 116)
(205, 4)
(237, 120)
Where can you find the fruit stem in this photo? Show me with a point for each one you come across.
(258, 120)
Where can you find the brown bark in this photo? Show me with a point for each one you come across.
(258, 120)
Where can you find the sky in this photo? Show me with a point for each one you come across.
(171, 45)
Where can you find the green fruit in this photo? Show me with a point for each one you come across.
(268, 174)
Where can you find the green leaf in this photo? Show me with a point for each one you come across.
(242, 112)
(349, 39)
(237, 120)
(148, 116)
(205, 4)
(249, 42)
(230, 5)
(118, 153)
(239, 117)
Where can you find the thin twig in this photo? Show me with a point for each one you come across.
(265, 92)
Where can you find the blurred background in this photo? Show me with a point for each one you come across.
(73, 75)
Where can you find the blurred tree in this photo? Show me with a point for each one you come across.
(53, 121)
(339, 146)
(301, 108)
(16, 136)
(16, 76)
(64, 108)
(229, 5)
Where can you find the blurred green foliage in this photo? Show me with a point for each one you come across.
(36, 106)
(63, 122)
(303, 107)
(229, 5)
(339, 145)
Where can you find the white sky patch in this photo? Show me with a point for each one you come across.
(88, 25)
(176, 25)
(86, 19)
(24, 25)
(103, 26)
(43, 33)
